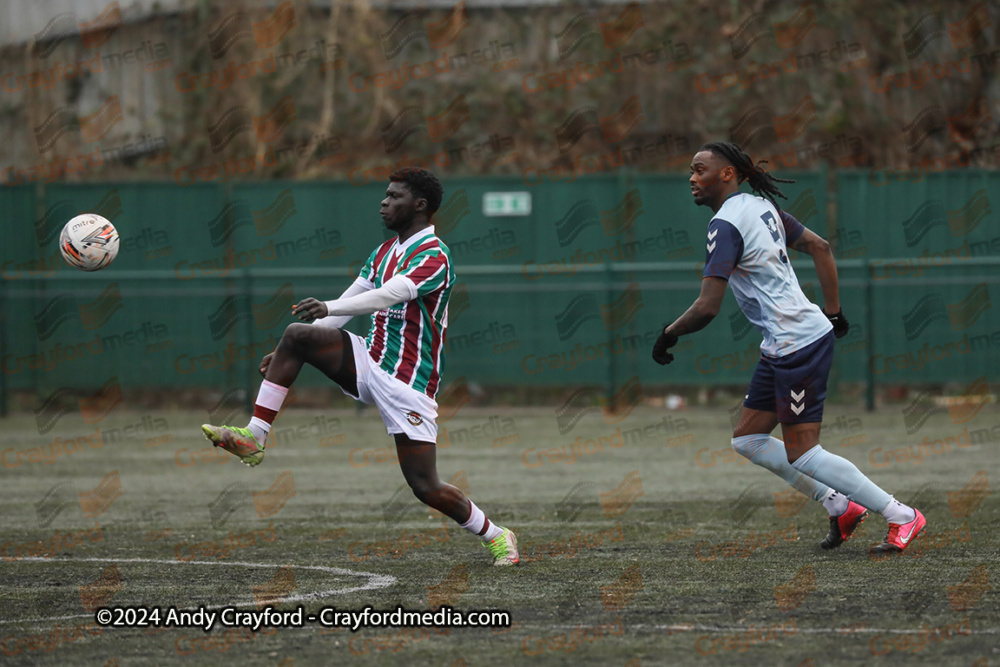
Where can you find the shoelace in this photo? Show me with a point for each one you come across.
(498, 545)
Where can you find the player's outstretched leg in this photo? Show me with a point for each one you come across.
(418, 461)
(808, 457)
(329, 350)
(752, 440)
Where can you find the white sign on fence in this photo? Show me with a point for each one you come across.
(507, 203)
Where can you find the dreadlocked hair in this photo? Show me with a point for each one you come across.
(422, 185)
(756, 177)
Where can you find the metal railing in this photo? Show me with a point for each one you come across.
(20, 300)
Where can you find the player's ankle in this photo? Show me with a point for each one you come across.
(836, 503)
(897, 512)
(259, 428)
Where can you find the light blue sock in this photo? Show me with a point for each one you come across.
(842, 475)
(769, 452)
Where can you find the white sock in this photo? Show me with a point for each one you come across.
(841, 475)
(897, 512)
(769, 452)
(265, 409)
(478, 524)
(259, 428)
(836, 503)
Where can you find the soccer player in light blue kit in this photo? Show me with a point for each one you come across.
(746, 247)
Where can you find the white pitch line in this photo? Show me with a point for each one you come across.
(375, 581)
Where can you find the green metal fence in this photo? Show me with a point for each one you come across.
(572, 294)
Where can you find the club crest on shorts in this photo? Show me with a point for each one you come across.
(414, 418)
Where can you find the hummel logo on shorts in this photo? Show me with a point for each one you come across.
(798, 402)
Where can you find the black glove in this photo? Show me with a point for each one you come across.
(840, 324)
(664, 343)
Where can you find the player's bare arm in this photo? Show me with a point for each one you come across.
(695, 318)
(818, 248)
(703, 310)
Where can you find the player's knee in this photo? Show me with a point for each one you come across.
(747, 445)
(423, 489)
(297, 334)
(744, 429)
(740, 446)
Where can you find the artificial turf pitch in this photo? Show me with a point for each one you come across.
(657, 549)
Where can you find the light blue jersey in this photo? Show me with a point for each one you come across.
(747, 241)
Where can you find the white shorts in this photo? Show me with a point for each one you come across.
(403, 408)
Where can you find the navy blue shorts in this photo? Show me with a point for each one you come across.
(793, 386)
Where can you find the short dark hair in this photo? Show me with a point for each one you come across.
(422, 184)
(760, 181)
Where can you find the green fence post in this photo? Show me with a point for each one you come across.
(40, 196)
(3, 346)
(247, 280)
(869, 338)
(609, 291)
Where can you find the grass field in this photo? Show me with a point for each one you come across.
(660, 548)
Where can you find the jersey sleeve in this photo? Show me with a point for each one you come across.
(793, 228)
(367, 273)
(723, 249)
(427, 271)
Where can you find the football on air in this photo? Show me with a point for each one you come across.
(89, 242)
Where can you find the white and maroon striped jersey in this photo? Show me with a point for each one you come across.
(407, 340)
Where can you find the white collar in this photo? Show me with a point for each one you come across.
(413, 240)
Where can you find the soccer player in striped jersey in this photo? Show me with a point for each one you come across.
(746, 249)
(404, 286)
